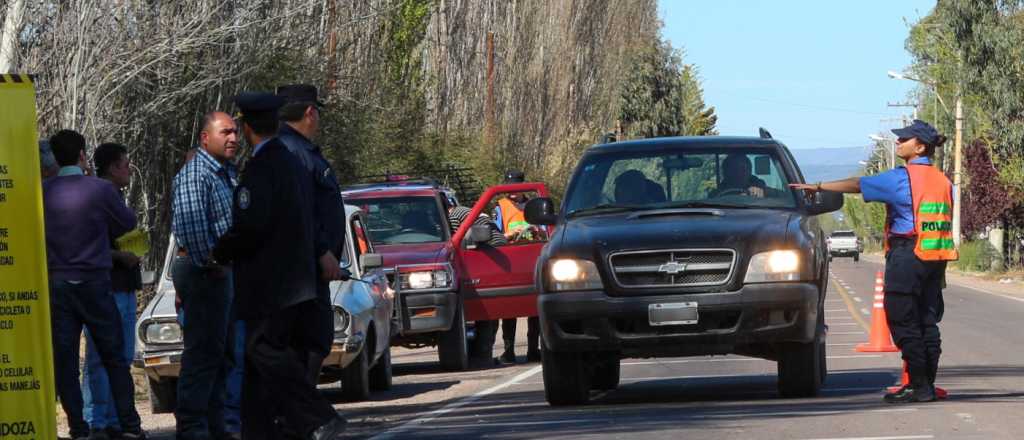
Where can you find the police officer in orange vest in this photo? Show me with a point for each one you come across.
(919, 242)
(511, 221)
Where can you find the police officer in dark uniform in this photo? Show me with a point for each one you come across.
(919, 242)
(301, 122)
(272, 247)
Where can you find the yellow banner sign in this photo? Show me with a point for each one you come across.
(27, 395)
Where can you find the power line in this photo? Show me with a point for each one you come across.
(807, 106)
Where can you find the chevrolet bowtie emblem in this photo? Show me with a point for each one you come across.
(672, 268)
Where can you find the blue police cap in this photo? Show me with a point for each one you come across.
(919, 129)
(256, 104)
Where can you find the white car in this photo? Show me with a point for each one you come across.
(364, 307)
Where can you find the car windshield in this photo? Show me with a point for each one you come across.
(843, 234)
(727, 177)
(403, 220)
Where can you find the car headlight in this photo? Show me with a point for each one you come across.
(168, 332)
(341, 322)
(773, 266)
(425, 279)
(573, 274)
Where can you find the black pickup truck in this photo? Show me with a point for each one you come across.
(682, 247)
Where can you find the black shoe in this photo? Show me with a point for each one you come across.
(508, 357)
(98, 434)
(331, 429)
(533, 356)
(909, 394)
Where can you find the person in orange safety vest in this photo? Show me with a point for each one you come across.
(919, 242)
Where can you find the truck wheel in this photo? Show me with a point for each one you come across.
(163, 395)
(606, 372)
(800, 369)
(451, 344)
(355, 378)
(380, 374)
(565, 378)
(856, 257)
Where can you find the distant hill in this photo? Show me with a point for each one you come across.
(825, 164)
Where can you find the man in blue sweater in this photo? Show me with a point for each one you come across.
(83, 213)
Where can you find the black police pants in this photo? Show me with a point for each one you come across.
(276, 380)
(89, 304)
(508, 333)
(319, 336)
(914, 307)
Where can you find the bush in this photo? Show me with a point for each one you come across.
(976, 255)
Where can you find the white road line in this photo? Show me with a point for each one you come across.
(899, 437)
(976, 289)
(865, 311)
(857, 299)
(824, 412)
(418, 422)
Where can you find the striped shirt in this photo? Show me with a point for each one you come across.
(201, 208)
(458, 215)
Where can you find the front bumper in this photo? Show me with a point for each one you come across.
(160, 364)
(744, 321)
(426, 312)
(344, 351)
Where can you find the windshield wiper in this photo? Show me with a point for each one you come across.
(603, 209)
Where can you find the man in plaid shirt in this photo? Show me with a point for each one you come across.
(201, 213)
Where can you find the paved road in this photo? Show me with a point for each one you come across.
(732, 397)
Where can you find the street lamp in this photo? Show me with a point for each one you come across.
(958, 141)
(892, 148)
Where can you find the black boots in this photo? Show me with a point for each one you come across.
(919, 390)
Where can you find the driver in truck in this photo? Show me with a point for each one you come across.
(738, 176)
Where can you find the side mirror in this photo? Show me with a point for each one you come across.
(479, 234)
(371, 261)
(148, 277)
(762, 165)
(541, 211)
(824, 201)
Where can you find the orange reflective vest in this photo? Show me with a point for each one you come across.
(932, 196)
(511, 215)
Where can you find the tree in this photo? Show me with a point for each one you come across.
(663, 97)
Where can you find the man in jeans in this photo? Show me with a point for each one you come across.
(82, 214)
(111, 164)
(201, 213)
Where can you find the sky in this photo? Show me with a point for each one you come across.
(812, 72)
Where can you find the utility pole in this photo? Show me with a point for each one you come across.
(956, 169)
(489, 104)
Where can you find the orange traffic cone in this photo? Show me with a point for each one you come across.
(879, 340)
(905, 380)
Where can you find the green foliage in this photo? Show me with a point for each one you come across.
(661, 96)
(866, 219)
(976, 256)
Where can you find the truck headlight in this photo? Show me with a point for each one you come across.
(767, 267)
(573, 274)
(162, 332)
(426, 279)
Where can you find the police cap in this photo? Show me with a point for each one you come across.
(258, 105)
(919, 129)
(299, 93)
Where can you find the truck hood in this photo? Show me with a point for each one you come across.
(744, 230)
(419, 253)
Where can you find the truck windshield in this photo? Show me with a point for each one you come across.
(403, 220)
(726, 177)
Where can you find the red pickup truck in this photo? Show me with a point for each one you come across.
(445, 278)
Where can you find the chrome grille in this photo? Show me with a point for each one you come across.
(683, 267)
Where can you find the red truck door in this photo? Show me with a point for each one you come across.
(497, 282)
